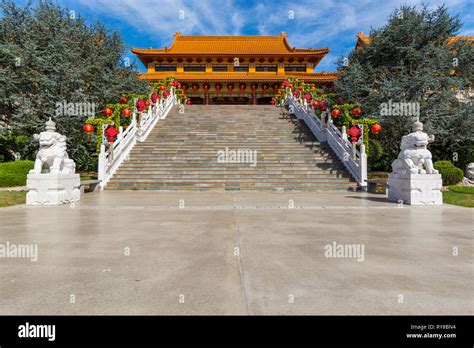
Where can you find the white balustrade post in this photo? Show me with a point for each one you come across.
(120, 135)
(101, 165)
(134, 119)
(323, 122)
(344, 132)
(363, 167)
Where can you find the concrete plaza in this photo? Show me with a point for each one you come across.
(149, 252)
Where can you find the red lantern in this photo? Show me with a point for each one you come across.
(356, 112)
(111, 133)
(242, 86)
(206, 86)
(273, 102)
(140, 105)
(218, 87)
(188, 102)
(254, 87)
(354, 132)
(265, 87)
(230, 87)
(123, 100)
(376, 128)
(322, 105)
(88, 128)
(314, 103)
(154, 97)
(300, 88)
(147, 103)
(282, 87)
(308, 97)
(126, 112)
(335, 113)
(162, 88)
(108, 111)
(195, 87)
(166, 94)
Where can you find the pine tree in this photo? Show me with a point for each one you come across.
(47, 57)
(411, 60)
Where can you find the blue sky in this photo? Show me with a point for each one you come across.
(315, 23)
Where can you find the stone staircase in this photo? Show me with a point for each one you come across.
(181, 153)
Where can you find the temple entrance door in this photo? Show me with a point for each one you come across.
(225, 100)
(264, 100)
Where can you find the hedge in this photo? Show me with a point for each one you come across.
(14, 173)
(450, 174)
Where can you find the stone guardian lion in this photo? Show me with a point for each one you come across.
(52, 156)
(414, 157)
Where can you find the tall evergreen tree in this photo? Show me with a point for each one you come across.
(412, 60)
(47, 57)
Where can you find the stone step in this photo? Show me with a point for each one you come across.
(181, 153)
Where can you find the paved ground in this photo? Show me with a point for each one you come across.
(237, 253)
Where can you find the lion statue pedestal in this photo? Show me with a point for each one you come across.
(53, 180)
(414, 180)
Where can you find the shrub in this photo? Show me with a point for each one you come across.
(14, 173)
(442, 164)
(450, 174)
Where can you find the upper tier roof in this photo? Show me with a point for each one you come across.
(363, 40)
(230, 45)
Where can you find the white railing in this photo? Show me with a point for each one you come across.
(112, 156)
(354, 160)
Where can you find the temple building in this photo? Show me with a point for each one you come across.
(233, 69)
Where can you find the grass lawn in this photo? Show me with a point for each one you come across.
(8, 198)
(459, 195)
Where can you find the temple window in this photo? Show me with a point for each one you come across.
(266, 68)
(219, 68)
(195, 67)
(241, 68)
(165, 67)
(295, 68)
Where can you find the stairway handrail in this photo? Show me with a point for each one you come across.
(354, 160)
(112, 156)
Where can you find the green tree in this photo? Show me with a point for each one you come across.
(49, 56)
(410, 60)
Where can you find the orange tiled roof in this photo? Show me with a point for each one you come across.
(363, 40)
(453, 39)
(230, 45)
(240, 76)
